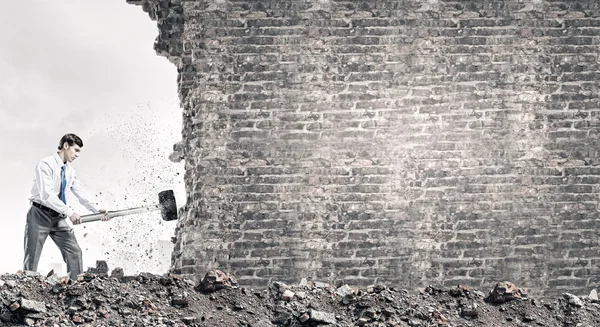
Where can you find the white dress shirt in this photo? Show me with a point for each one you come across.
(46, 186)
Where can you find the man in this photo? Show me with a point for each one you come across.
(54, 179)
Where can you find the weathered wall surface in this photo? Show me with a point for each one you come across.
(408, 142)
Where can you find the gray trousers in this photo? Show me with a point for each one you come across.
(39, 225)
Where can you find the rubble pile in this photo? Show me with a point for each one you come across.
(98, 299)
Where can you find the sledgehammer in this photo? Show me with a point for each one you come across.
(166, 205)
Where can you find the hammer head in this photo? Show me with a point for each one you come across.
(168, 207)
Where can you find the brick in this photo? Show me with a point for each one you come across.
(568, 282)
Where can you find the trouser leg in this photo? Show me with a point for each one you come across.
(62, 234)
(37, 228)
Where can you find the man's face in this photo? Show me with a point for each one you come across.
(72, 152)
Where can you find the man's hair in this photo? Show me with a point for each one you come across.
(71, 139)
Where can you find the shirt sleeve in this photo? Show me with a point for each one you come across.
(48, 195)
(83, 196)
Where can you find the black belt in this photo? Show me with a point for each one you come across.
(46, 209)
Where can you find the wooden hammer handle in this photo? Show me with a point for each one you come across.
(118, 213)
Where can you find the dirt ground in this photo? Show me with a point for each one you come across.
(29, 299)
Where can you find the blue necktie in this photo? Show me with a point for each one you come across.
(63, 184)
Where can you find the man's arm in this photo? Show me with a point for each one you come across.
(82, 194)
(49, 196)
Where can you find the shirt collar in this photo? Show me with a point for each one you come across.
(59, 160)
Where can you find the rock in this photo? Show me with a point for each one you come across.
(528, 318)
(460, 290)
(35, 315)
(304, 317)
(469, 310)
(15, 306)
(101, 267)
(322, 317)
(180, 300)
(503, 292)
(478, 293)
(34, 306)
(188, 320)
(86, 277)
(117, 273)
(377, 288)
(263, 323)
(99, 300)
(282, 317)
(573, 300)
(280, 287)
(11, 284)
(215, 280)
(438, 318)
(593, 294)
(2, 283)
(287, 295)
(53, 279)
(388, 312)
(321, 285)
(77, 319)
(434, 289)
(28, 273)
(345, 290)
(347, 293)
(170, 301)
(29, 322)
(303, 282)
(5, 316)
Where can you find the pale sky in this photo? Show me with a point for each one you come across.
(89, 68)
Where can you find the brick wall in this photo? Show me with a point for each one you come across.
(408, 142)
